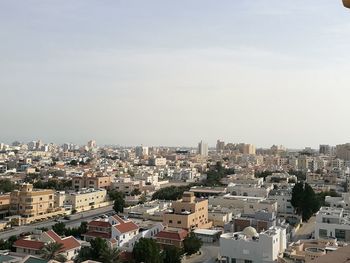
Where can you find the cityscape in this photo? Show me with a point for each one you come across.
(230, 202)
(160, 131)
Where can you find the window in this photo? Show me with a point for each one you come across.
(322, 232)
(248, 261)
(233, 260)
(340, 234)
(170, 221)
(179, 222)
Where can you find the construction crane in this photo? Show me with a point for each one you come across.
(346, 3)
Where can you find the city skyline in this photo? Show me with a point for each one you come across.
(165, 73)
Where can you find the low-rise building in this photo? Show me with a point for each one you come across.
(188, 213)
(33, 244)
(333, 222)
(171, 237)
(83, 200)
(249, 246)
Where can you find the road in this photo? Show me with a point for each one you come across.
(306, 230)
(209, 254)
(75, 221)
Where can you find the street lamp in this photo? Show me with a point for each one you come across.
(346, 3)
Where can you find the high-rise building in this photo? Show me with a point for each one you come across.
(343, 151)
(91, 144)
(220, 146)
(248, 149)
(203, 149)
(141, 151)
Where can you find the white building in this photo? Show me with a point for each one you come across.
(248, 246)
(333, 222)
(283, 198)
(203, 149)
(248, 190)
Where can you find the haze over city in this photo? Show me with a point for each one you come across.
(175, 72)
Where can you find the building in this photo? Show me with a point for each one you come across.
(248, 246)
(28, 202)
(116, 230)
(33, 244)
(158, 161)
(343, 151)
(188, 213)
(141, 151)
(283, 198)
(91, 181)
(248, 190)
(4, 205)
(91, 144)
(220, 146)
(83, 200)
(203, 149)
(249, 149)
(309, 250)
(333, 222)
(171, 237)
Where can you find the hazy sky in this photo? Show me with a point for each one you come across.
(175, 72)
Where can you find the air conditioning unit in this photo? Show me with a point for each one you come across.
(346, 3)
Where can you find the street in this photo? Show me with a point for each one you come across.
(306, 230)
(75, 221)
(209, 254)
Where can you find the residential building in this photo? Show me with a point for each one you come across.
(90, 180)
(343, 151)
(116, 230)
(333, 222)
(85, 199)
(220, 146)
(188, 213)
(171, 237)
(28, 202)
(33, 244)
(248, 246)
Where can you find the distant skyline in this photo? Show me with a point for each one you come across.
(161, 72)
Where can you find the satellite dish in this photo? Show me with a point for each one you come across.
(346, 3)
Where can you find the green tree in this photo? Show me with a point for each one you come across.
(147, 250)
(136, 191)
(110, 255)
(98, 245)
(51, 251)
(6, 186)
(84, 254)
(172, 254)
(59, 228)
(304, 200)
(192, 244)
(142, 199)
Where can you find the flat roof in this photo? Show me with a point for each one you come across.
(208, 232)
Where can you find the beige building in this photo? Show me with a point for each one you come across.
(91, 181)
(188, 213)
(82, 200)
(29, 202)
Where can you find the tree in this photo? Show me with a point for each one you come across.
(192, 244)
(172, 254)
(84, 254)
(51, 252)
(142, 199)
(98, 245)
(304, 200)
(118, 205)
(147, 250)
(136, 191)
(110, 255)
(6, 186)
(59, 228)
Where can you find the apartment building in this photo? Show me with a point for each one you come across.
(333, 222)
(248, 246)
(4, 205)
(188, 213)
(85, 199)
(91, 181)
(126, 185)
(28, 202)
(283, 198)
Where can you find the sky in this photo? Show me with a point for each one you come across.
(162, 72)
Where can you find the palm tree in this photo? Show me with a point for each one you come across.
(51, 251)
(110, 255)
